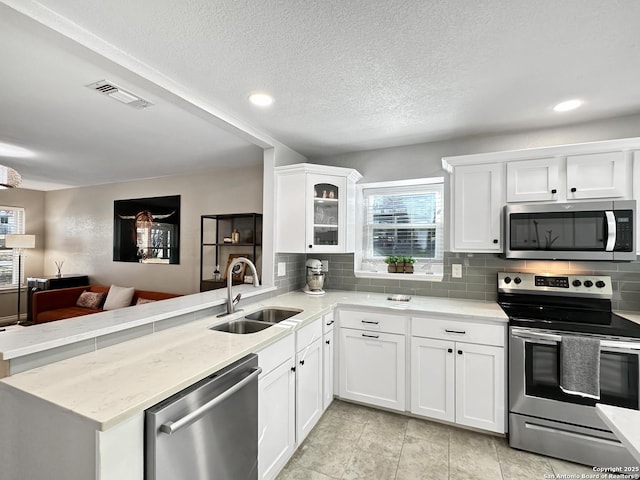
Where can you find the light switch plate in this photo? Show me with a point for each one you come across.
(282, 269)
(456, 270)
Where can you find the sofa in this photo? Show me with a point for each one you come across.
(51, 305)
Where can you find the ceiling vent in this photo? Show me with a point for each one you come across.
(118, 93)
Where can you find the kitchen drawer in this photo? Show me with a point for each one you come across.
(308, 334)
(327, 323)
(380, 322)
(470, 332)
(276, 353)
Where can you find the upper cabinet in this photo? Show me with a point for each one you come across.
(315, 209)
(533, 180)
(598, 175)
(477, 208)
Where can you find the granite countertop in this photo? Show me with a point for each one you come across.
(625, 423)
(114, 383)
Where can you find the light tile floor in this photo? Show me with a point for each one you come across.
(355, 442)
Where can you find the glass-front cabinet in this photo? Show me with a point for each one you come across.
(315, 209)
(327, 227)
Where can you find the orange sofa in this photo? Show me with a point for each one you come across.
(51, 305)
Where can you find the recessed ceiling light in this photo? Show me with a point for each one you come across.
(568, 105)
(9, 150)
(261, 99)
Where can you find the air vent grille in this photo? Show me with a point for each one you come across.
(120, 94)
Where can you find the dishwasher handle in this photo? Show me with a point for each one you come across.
(173, 427)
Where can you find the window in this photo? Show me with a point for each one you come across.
(11, 221)
(403, 218)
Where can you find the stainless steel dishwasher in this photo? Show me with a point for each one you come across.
(208, 431)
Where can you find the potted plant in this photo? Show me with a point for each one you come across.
(408, 264)
(391, 261)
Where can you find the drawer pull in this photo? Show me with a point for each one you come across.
(450, 350)
(461, 332)
(370, 336)
(370, 321)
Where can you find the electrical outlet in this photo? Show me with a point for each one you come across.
(282, 269)
(325, 265)
(456, 270)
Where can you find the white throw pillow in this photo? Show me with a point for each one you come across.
(118, 297)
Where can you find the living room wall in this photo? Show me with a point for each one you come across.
(79, 224)
(33, 203)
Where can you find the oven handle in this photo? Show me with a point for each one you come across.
(611, 231)
(557, 338)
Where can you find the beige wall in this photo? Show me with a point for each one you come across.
(79, 225)
(33, 202)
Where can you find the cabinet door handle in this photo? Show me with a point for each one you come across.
(574, 189)
(370, 336)
(553, 191)
(449, 350)
(327, 342)
(459, 352)
(293, 369)
(301, 362)
(310, 246)
(370, 321)
(461, 332)
(495, 240)
(330, 323)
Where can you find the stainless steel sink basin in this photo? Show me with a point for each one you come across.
(273, 315)
(241, 326)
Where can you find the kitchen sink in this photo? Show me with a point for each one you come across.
(273, 315)
(241, 326)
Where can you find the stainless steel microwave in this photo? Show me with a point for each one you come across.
(571, 231)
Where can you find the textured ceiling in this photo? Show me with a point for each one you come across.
(359, 74)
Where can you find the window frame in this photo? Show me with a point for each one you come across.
(17, 277)
(425, 269)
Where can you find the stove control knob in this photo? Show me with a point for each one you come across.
(600, 284)
(517, 280)
(507, 280)
(576, 283)
(588, 283)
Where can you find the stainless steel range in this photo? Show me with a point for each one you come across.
(543, 310)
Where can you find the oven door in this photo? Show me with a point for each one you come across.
(534, 372)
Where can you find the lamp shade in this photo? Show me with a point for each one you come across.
(19, 241)
(9, 178)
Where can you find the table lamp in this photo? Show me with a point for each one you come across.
(19, 241)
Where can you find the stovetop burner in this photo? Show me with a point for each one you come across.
(568, 303)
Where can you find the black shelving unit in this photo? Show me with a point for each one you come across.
(216, 245)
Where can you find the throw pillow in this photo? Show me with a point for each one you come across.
(141, 301)
(91, 300)
(118, 297)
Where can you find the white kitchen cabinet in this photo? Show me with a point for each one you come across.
(372, 361)
(276, 426)
(315, 209)
(328, 343)
(534, 180)
(477, 201)
(309, 381)
(598, 175)
(433, 378)
(480, 386)
(458, 372)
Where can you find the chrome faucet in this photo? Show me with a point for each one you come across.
(231, 303)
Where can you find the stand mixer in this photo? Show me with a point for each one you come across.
(315, 277)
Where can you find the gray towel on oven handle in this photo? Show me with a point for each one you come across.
(580, 366)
